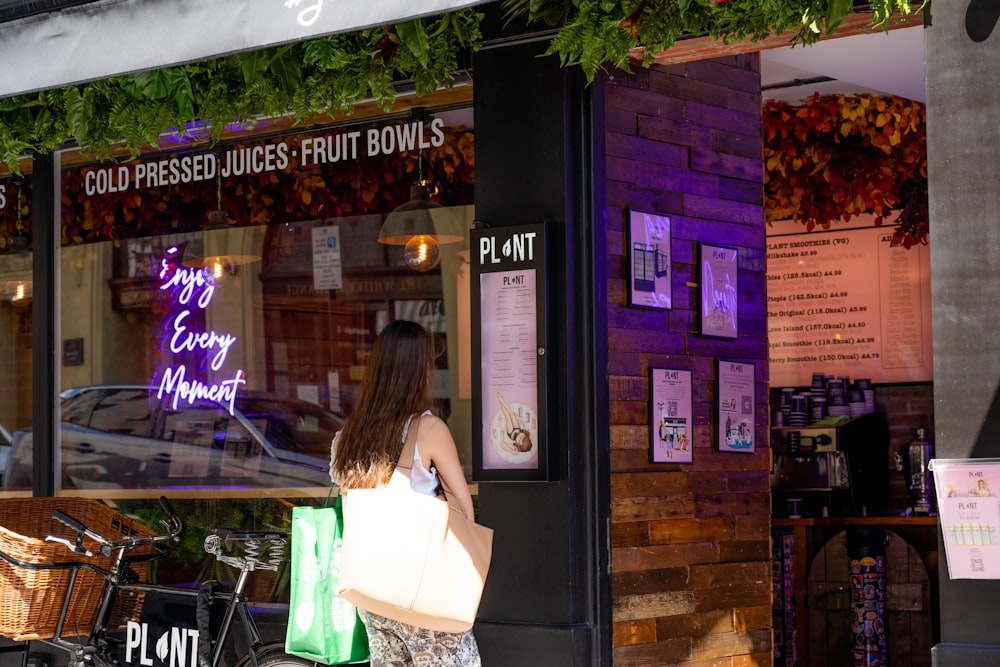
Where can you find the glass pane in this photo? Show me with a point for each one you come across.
(15, 315)
(218, 305)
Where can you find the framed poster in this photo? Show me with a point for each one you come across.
(510, 441)
(670, 416)
(719, 313)
(649, 260)
(735, 406)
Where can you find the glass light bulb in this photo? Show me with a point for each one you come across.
(422, 253)
(18, 292)
(218, 267)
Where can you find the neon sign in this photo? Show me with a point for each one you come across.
(192, 290)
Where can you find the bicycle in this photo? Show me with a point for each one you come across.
(182, 646)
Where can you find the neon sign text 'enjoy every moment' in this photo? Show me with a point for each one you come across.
(194, 288)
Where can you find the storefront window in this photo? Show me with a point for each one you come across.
(15, 313)
(218, 305)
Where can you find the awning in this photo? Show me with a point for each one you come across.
(105, 38)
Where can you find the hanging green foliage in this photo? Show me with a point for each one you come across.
(595, 32)
(332, 74)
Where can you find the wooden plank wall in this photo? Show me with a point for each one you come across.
(691, 570)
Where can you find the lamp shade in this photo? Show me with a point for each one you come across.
(420, 217)
(224, 246)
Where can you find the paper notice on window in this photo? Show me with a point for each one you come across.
(333, 380)
(327, 270)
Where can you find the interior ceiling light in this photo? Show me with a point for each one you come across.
(18, 292)
(215, 237)
(420, 224)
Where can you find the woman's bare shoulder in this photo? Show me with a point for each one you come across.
(431, 424)
(434, 431)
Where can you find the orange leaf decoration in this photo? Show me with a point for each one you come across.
(849, 155)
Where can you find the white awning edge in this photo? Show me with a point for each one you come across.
(107, 38)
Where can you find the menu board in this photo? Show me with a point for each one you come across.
(509, 337)
(509, 354)
(846, 302)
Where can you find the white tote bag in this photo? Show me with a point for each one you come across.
(412, 557)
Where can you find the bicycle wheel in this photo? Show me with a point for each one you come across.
(273, 655)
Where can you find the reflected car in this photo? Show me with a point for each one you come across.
(123, 437)
(5, 439)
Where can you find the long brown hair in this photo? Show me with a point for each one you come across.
(396, 384)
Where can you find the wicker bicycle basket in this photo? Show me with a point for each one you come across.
(33, 599)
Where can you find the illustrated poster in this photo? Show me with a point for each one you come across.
(671, 416)
(736, 406)
(649, 243)
(719, 287)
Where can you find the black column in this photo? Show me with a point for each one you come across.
(45, 379)
(547, 598)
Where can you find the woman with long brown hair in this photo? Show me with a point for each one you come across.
(391, 425)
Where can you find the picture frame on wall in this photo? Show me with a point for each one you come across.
(736, 408)
(649, 260)
(719, 289)
(670, 416)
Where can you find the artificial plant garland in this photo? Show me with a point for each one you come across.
(836, 156)
(334, 73)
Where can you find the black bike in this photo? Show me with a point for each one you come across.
(202, 641)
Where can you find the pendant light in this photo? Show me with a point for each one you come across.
(421, 225)
(218, 242)
(18, 292)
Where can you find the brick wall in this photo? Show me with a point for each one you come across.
(691, 580)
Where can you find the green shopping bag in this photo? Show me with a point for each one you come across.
(322, 626)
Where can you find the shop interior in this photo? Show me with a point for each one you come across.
(851, 432)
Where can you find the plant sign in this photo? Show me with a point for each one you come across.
(719, 313)
(649, 260)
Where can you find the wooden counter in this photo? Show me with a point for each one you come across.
(857, 521)
(912, 568)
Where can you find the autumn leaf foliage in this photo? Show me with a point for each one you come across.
(836, 156)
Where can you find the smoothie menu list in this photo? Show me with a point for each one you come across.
(847, 303)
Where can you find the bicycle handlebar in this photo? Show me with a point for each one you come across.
(173, 524)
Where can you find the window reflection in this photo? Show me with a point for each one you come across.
(236, 375)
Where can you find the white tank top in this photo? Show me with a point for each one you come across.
(422, 479)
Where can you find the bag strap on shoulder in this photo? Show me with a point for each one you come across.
(410, 443)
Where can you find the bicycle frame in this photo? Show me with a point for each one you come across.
(235, 605)
(101, 648)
